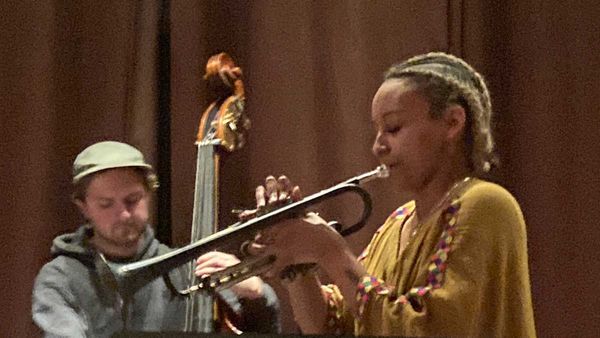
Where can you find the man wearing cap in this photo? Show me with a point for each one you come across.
(74, 295)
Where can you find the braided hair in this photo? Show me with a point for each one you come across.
(446, 80)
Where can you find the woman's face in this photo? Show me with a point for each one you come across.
(408, 141)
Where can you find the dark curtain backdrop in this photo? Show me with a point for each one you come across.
(76, 72)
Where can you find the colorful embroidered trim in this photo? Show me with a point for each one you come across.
(398, 214)
(438, 265)
(335, 308)
(401, 212)
(436, 268)
(367, 284)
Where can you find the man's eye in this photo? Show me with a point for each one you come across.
(105, 205)
(134, 200)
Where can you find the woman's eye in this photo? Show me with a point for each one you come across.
(393, 130)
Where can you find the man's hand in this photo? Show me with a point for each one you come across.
(214, 261)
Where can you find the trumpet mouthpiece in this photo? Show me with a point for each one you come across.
(383, 171)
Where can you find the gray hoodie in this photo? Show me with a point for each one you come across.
(75, 296)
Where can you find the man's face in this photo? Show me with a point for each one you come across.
(408, 140)
(116, 205)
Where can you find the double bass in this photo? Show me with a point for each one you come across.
(223, 127)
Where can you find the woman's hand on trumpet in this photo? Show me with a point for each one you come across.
(294, 241)
(214, 261)
(300, 241)
(275, 193)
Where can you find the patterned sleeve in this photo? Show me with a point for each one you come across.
(339, 319)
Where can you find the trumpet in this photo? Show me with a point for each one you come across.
(244, 232)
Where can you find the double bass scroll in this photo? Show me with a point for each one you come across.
(229, 124)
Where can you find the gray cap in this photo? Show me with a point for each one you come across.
(107, 155)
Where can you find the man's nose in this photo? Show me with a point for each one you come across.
(125, 213)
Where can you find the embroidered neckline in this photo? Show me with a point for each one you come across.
(436, 269)
(410, 215)
(437, 265)
(439, 204)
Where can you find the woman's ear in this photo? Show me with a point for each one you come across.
(455, 119)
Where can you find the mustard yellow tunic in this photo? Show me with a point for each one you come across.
(463, 274)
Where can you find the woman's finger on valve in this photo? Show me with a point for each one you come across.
(260, 196)
(284, 186)
(296, 195)
(271, 186)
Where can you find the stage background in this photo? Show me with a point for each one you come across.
(77, 72)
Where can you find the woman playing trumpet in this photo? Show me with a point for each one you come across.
(451, 262)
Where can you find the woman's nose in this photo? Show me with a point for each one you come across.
(379, 148)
